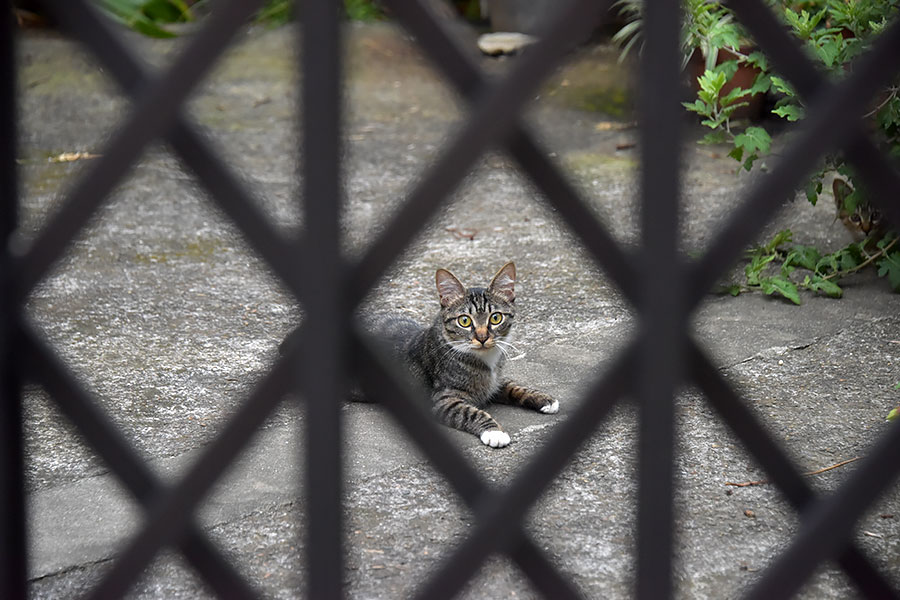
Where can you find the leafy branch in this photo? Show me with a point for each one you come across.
(783, 268)
(834, 32)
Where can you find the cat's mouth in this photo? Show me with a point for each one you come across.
(480, 346)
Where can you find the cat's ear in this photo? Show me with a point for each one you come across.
(449, 288)
(503, 283)
(841, 190)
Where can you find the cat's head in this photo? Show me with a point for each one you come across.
(858, 216)
(477, 319)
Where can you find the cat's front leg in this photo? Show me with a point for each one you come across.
(453, 409)
(517, 395)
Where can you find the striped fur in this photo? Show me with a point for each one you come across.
(461, 355)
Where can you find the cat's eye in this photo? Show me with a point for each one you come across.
(496, 318)
(876, 215)
(855, 218)
(464, 320)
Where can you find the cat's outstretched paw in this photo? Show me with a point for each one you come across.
(495, 438)
(551, 409)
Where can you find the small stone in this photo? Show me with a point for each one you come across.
(502, 42)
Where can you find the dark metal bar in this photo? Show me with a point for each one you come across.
(661, 296)
(779, 467)
(496, 112)
(825, 127)
(197, 153)
(13, 546)
(125, 462)
(873, 166)
(171, 512)
(463, 72)
(152, 114)
(381, 384)
(328, 316)
(501, 514)
(828, 525)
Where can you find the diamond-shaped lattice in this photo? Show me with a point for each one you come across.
(663, 289)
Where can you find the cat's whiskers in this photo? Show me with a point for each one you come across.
(505, 344)
(505, 347)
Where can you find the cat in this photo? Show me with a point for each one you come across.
(460, 357)
(864, 221)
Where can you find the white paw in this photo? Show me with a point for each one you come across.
(551, 409)
(495, 438)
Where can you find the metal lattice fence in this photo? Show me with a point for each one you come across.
(664, 289)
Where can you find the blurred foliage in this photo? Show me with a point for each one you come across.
(151, 17)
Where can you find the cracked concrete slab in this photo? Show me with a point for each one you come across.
(167, 316)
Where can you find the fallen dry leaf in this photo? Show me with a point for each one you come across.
(612, 126)
(73, 156)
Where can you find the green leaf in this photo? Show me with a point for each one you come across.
(887, 239)
(758, 59)
(713, 123)
(827, 262)
(782, 286)
(849, 257)
(783, 86)
(813, 189)
(711, 84)
(889, 115)
(754, 139)
(130, 13)
(733, 96)
(728, 68)
(166, 11)
(714, 137)
(890, 266)
(894, 414)
(362, 10)
(782, 237)
(803, 256)
(699, 107)
(761, 85)
(732, 289)
(828, 287)
(791, 112)
(756, 266)
(828, 50)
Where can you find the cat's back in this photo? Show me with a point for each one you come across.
(397, 332)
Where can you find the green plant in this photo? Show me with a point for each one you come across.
(783, 268)
(148, 16)
(834, 32)
(275, 12)
(362, 10)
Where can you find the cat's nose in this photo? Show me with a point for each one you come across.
(481, 334)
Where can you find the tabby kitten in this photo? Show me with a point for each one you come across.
(459, 358)
(863, 222)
